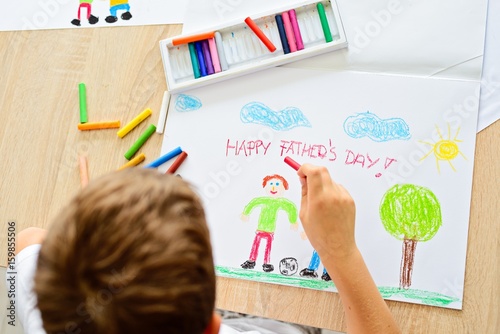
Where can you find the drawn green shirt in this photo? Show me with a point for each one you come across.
(86, 1)
(269, 211)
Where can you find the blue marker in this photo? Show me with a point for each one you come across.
(281, 29)
(161, 160)
(201, 58)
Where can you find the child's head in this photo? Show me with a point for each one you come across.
(130, 254)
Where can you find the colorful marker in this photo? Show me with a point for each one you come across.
(163, 112)
(220, 48)
(296, 29)
(192, 38)
(83, 103)
(289, 32)
(292, 163)
(255, 28)
(324, 22)
(281, 29)
(201, 59)
(99, 125)
(161, 160)
(180, 159)
(134, 162)
(133, 123)
(139, 142)
(208, 57)
(194, 60)
(215, 57)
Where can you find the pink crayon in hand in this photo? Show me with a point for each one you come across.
(292, 163)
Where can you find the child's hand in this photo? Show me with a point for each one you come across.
(327, 213)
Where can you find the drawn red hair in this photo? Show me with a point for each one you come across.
(275, 176)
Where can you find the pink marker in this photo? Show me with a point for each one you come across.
(289, 32)
(214, 54)
(296, 29)
(292, 163)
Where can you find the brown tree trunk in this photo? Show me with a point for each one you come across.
(406, 270)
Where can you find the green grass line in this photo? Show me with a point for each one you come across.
(421, 296)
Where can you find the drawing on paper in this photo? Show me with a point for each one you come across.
(445, 149)
(289, 266)
(118, 5)
(375, 128)
(286, 119)
(87, 5)
(413, 214)
(187, 103)
(311, 270)
(275, 187)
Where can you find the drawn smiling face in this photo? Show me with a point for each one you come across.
(275, 188)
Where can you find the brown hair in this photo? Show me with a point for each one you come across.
(130, 253)
(275, 176)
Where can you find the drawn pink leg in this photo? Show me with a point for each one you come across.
(269, 242)
(87, 6)
(255, 246)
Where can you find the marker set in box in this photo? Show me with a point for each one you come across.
(247, 45)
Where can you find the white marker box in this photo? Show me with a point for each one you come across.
(245, 53)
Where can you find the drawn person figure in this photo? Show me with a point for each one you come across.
(87, 4)
(275, 187)
(114, 7)
(310, 271)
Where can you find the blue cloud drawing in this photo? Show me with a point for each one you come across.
(286, 119)
(377, 129)
(187, 103)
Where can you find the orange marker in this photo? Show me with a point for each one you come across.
(267, 42)
(99, 125)
(180, 159)
(193, 38)
(84, 172)
(134, 162)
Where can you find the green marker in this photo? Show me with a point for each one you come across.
(83, 103)
(324, 22)
(194, 61)
(138, 144)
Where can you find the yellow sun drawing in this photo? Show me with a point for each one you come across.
(445, 149)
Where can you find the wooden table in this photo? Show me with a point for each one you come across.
(40, 143)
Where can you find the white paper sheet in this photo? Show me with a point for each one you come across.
(212, 123)
(59, 14)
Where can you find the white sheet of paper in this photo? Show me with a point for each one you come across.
(58, 14)
(226, 169)
(410, 37)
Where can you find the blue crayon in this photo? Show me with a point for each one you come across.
(201, 58)
(281, 29)
(208, 57)
(161, 160)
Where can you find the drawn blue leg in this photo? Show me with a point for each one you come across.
(114, 12)
(315, 261)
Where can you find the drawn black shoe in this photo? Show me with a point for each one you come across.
(93, 19)
(267, 267)
(111, 19)
(306, 272)
(326, 277)
(248, 264)
(126, 16)
(76, 22)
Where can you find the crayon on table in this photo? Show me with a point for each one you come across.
(140, 141)
(201, 59)
(296, 29)
(292, 163)
(214, 53)
(289, 32)
(220, 48)
(161, 160)
(99, 125)
(180, 159)
(133, 123)
(192, 38)
(82, 92)
(208, 57)
(281, 29)
(255, 28)
(194, 60)
(324, 22)
(84, 172)
(134, 162)
(163, 112)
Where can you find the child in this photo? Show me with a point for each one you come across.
(131, 253)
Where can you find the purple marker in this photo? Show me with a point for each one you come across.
(296, 29)
(208, 57)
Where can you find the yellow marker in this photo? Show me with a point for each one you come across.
(133, 123)
(134, 162)
(99, 125)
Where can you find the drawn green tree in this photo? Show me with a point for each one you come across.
(410, 213)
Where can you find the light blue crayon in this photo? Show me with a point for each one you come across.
(161, 160)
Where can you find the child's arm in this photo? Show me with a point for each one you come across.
(328, 213)
(28, 237)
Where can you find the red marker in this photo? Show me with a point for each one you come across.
(292, 163)
(267, 42)
(180, 159)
